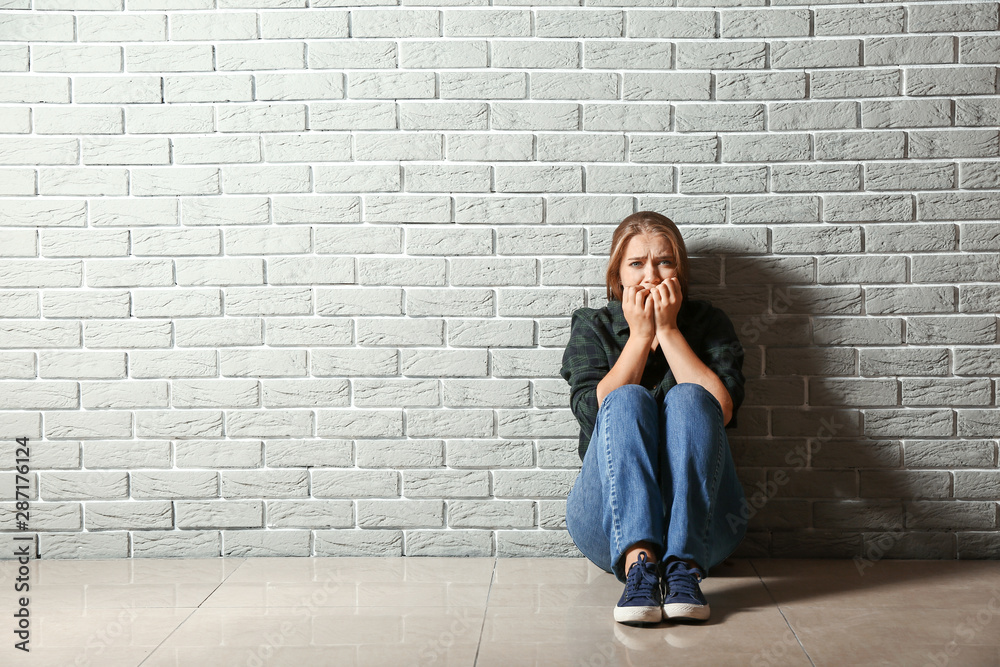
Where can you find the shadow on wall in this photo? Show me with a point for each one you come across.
(818, 445)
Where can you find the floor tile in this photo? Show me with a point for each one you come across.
(901, 636)
(93, 637)
(886, 583)
(351, 569)
(366, 635)
(340, 593)
(588, 635)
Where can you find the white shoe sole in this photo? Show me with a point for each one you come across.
(689, 612)
(638, 614)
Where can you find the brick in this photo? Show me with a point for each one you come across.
(465, 423)
(950, 515)
(352, 116)
(356, 423)
(400, 453)
(976, 48)
(847, 331)
(219, 514)
(624, 117)
(400, 513)
(168, 58)
(447, 363)
(449, 54)
(742, 23)
(977, 299)
(975, 268)
(666, 86)
(534, 116)
(121, 27)
(885, 300)
(859, 20)
(674, 148)
(963, 329)
(309, 514)
(815, 53)
(359, 543)
(953, 17)
(710, 179)
(864, 514)
(868, 208)
(760, 85)
(176, 303)
(671, 23)
(811, 178)
(324, 24)
(446, 483)
(976, 422)
(483, 85)
(856, 454)
(951, 80)
(953, 143)
(541, 54)
(86, 545)
(129, 515)
(917, 176)
(532, 483)
(824, 239)
(854, 84)
(946, 392)
(37, 27)
(745, 210)
(909, 50)
(487, 22)
(491, 514)
(630, 54)
(76, 485)
(396, 23)
(719, 117)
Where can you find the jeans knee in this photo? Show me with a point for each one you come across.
(633, 393)
(689, 394)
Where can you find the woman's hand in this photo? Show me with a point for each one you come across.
(666, 298)
(638, 310)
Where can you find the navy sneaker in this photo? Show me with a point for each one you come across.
(641, 602)
(684, 600)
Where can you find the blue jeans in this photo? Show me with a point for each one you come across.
(657, 473)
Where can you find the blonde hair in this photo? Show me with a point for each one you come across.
(644, 222)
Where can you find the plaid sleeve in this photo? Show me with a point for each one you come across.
(585, 363)
(724, 355)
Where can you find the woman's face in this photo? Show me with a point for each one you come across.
(649, 260)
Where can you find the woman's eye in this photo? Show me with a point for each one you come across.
(636, 264)
(666, 261)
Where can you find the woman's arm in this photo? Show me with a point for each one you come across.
(637, 308)
(627, 370)
(687, 367)
(684, 363)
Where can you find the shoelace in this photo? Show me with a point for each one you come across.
(682, 580)
(642, 582)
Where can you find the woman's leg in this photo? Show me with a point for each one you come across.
(616, 501)
(698, 478)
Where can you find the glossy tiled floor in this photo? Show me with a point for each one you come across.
(493, 612)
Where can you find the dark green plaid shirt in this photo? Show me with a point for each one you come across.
(598, 335)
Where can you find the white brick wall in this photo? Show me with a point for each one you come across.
(295, 281)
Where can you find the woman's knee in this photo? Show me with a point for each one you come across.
(689, 395)
(630, 395)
